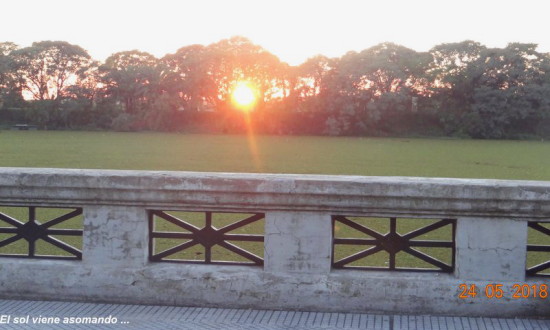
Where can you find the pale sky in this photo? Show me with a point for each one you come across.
(294, 30)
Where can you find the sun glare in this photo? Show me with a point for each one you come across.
(243, 96)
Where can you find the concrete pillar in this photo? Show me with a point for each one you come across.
(491, 249)
(115, 235)
(298, 242)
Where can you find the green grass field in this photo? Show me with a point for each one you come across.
(523, 160)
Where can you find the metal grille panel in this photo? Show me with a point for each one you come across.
(541, 232)
(392, 246)
(204, 241)
(32, 233)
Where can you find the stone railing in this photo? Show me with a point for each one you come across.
(487, 224)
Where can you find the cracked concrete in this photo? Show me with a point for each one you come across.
(488, 249)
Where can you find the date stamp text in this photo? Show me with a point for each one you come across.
(498, 291)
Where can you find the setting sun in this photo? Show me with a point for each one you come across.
(243, 96)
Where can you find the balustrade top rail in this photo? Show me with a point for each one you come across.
(346, 194)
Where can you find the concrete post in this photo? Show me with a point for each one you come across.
(491, 249)
(115, 235)
(298, 242)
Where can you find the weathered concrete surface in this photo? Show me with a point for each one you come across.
(489, 249)
(385, 196)
(306, 250)
(492, 221)
(247, 287)
(115, 235)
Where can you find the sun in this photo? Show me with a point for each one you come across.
(243, 96)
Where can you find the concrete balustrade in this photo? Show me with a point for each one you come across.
(491, 238)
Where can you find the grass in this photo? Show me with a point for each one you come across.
(522, 160)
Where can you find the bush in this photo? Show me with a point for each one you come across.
(124, 122)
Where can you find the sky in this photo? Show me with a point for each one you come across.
(294, 30)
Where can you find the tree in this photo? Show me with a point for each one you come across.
(238, 59)
(313, 76)
(508, 91)
(451, 62)
(375, 86)
(10, 93)
(133, 78)
(452, 75)
(47, 68)
(7, 64)
(188, 77)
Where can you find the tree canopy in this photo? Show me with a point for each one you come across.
(463, 89)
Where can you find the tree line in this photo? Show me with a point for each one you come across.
(454, 89)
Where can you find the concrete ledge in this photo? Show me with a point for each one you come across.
(277, 192)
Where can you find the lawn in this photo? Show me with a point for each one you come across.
(524, 160)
